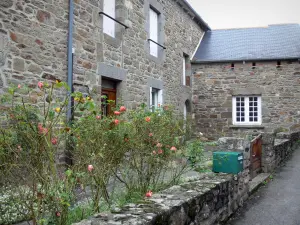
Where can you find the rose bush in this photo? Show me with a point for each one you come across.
(140, 150)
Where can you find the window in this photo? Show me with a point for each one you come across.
(153, 32)
(108, 24)
(232, 66)
(246, 110)
(185, 77)
(253, 65)
(278, 64)
(155, 98)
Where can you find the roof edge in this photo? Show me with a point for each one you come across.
(243, 60)
(197, 17)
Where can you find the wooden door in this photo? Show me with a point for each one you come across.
(109, 102)
(255, 158)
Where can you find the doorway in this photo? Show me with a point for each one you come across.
(109, 99)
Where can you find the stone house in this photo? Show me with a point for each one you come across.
(132, 51)
(247, 80)
(139, 51)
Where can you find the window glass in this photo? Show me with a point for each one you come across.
(153, 32)
(109, 7)
(247, 110)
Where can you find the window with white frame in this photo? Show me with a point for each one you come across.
(153, 32)
(109, 7)
(155, 98)
(246, 110)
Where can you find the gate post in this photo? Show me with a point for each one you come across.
(268, 163)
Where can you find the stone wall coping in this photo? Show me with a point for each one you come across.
(279, 142)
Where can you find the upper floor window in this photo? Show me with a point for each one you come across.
(246, 110)
(109, 7)
(155, 98)
(153, 32)
(186, 72)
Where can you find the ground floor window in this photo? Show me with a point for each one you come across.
(155, 98)
(246, 110)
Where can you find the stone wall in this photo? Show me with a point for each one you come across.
(214, 85)
(206, 201)
(34, 33)
(277, 148)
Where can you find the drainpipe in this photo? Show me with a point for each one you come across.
(68, 155)
(70, 60)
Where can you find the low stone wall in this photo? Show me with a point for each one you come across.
(207, 200)
(277, 148)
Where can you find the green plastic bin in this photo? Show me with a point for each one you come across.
(227, 162)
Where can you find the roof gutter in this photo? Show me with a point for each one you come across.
(243, 60)
(197, 18)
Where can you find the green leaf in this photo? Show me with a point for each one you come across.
(68, 173)
(51, 115)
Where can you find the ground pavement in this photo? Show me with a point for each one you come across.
(277, 203)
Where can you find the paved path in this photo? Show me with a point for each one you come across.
(277, 203)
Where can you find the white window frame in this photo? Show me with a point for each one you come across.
(158, 101)
(153, 31)
(246, 122)
(109, 7)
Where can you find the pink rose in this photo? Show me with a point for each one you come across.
(98, 117)
(19, 86)
(90, 168)
(149, 194)
(173, 148)
(116, 122)
(40, 84)
(122, 108)
(150, 135)
(54, 141)
(117, 113)
(57, 214)
(160, 151)
(148, 119)
(154, 152)
(159, 145)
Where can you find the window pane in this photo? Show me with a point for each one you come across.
(109, 24)
(153, 32)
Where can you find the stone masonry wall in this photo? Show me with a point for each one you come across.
(277, 148)
(34, 46)
(206, 201)
(34, 35)
(214, 85)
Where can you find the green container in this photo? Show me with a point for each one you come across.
(227, 162)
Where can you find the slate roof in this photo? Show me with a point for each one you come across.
(275, 42)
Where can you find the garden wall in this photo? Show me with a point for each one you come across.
(277, 148)
(206, 200)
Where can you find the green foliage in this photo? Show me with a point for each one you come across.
(136, 149)
(194, 153)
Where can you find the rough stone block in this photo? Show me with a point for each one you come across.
(18, 64)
